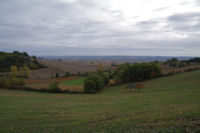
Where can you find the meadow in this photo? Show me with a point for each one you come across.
(167, 104)
(74, 82)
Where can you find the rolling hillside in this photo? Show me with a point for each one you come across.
(168, 104)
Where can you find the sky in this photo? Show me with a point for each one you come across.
(101, 27)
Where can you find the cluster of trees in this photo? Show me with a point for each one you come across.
(96, 80)
(25, 71)
(68, 74)
(125, 73)
(174, 62)
(136, 72)
(11, 80)
(18, 59)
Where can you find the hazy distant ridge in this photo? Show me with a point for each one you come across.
(115, 58)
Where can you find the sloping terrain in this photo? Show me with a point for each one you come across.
(168, 104)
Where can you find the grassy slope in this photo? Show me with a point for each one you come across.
(75, 82)
(169, 104)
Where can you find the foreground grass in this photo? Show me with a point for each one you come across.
(168, 104)
(75, 82)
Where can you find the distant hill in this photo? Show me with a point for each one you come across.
(115, 58)
(18, 59)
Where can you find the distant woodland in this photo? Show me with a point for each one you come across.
(18, 59)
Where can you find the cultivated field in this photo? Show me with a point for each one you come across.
(56, 66)
(72, 84)
(167, 104)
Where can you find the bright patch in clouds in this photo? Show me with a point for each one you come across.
(101, 27)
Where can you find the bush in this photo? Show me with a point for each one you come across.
(57, 75)
(106, 80)
(9, 83)
(17, 82)
(89, 86)
(93, 83)
(67, 74)
(53, 87)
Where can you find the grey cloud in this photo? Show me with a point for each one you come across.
(84, 27)
(184, 17)
(188, 22)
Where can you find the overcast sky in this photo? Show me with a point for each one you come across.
(101, 27)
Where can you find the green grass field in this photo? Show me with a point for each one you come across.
(75, 82)
(169, 104)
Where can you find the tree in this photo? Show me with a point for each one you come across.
(106, 80)
(14, 71)
(53, 87)
(127, 73)
(89, 86)
(100, 69)
(93, 83)
(26, 71)
(67, 74)
(57, 75)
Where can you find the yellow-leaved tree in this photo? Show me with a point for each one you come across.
(26, 71)
(13, 71)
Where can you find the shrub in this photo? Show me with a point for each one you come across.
(89, 86)
(93, 83)
(57, 75)
(53, 87)
(106, 80)
(9, 83)
(67, 74)
(17, 82)
(85, 74)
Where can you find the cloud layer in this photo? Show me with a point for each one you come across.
(101, 27)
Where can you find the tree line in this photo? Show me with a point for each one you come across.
(18, 59)
(174, 62)
(136, 72)
(125, 73)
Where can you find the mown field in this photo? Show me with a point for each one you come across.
(168, 104)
